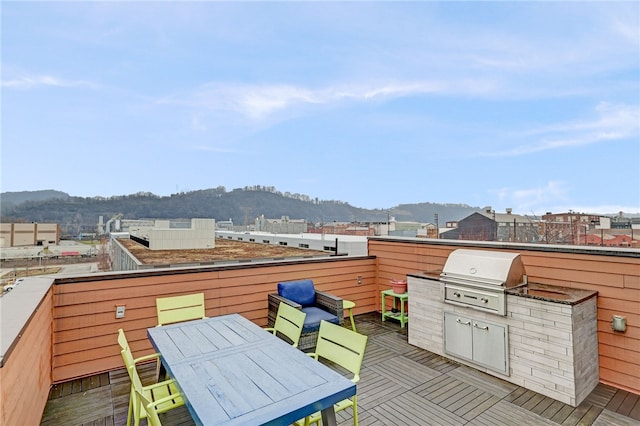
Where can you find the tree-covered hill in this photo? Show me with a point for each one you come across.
(242, 206)
(11, 199)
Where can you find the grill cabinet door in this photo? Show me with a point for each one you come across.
(458, 335)
(490, 345)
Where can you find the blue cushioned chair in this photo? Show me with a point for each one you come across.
(316, 304)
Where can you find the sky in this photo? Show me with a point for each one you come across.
(533, 106)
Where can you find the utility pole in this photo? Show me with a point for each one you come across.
(435, 216)
(388, 223)
(495, 226)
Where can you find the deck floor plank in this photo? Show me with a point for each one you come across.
(436, 386)
(617, 400)
(483, 381)
(405, 372)
(610, 418)
(468, 402)
(88, 406)
(601, 395)
(635, 411)
(412, 409)
(627, 404)
(481, 407)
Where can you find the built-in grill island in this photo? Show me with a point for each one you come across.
(480, 310)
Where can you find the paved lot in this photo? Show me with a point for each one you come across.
(53, 250)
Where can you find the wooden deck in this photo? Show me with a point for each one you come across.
(400, 385)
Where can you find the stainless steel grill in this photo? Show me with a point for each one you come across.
(479, 279)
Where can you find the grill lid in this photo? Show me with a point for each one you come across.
(483, 268)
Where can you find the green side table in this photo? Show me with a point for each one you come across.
(395, 313)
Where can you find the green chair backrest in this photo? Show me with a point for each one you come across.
(289, 322)
(130, 365)
(180, 308)
(122, 340)
(342, 346)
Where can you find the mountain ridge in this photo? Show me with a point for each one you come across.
(241, 205)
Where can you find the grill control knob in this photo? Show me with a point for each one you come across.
(456, 294)
(484, 300)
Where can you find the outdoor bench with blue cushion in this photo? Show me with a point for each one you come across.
(318, 306)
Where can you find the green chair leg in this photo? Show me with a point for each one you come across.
(348, 304)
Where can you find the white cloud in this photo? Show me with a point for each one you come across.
(32, 82)
(260, 102)
(529, 199)
(614, 122)
(552, 196)
(628, 30)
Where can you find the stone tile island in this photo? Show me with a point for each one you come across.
(546, 342)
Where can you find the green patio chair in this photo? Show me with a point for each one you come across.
(124, 345)
(153, 408)
(289, 323)
(174, 309)
(165, 394)
(345, 348)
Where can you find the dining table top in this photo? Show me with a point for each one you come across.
(231, 372)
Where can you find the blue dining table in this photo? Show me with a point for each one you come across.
(232, 372)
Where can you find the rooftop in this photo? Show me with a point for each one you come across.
(58, 334)
(400, 384)
(224, 249)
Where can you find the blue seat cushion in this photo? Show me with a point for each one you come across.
(313, 318)
(301, 292)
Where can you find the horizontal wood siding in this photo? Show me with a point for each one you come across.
(616, 278)
(25, 377)
(84, 338)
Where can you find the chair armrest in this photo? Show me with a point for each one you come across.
(330, 303)
(161, 384)
(277, 299)
(146, 358)
(174, 395)
(274, 303)
(167, 398)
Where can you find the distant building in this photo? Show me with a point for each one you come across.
(588, 229)
(344, 245)
(428, 230)
(567, 228)
(177, 234)
(29, 234)
(342, 228)
(384, 228)
(284, 225)
(224, 225)
(408, 229)
(489, 225)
